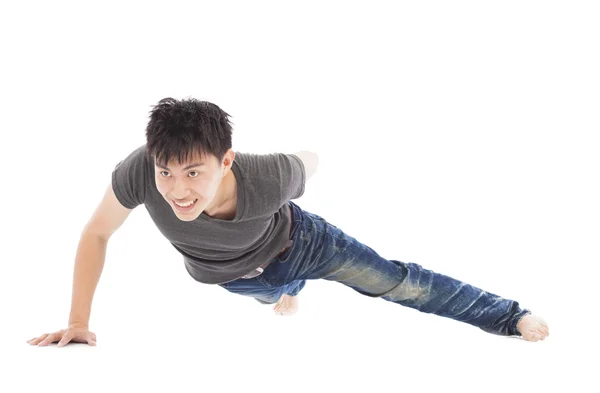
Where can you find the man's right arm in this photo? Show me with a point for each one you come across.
(91, 254)
(89, 262)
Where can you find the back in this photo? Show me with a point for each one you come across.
(108, 217)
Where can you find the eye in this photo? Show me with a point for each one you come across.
(197, 173)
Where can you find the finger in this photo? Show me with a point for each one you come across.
(91, 342)
(65, 340)
(36, 340)
(47, 340)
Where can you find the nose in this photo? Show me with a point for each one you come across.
(178, 191)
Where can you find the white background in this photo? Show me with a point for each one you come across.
(458, 135)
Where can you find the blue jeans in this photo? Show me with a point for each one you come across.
(323, 251)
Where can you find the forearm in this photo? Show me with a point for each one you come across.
(89, 262)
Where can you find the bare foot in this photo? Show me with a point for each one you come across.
(533, 328)
(286, 305)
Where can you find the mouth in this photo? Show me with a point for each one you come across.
(185, 209)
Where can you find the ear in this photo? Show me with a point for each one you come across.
(228, 159)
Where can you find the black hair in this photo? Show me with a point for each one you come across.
(178, 129)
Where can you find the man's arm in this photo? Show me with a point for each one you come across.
(310, 161)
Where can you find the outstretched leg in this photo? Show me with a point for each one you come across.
(321, 250)
(411, 285)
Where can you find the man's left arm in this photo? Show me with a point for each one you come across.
(310, 161)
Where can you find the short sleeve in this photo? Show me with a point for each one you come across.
(130, 178)
(293, 176)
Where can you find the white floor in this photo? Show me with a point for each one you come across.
(200, 337)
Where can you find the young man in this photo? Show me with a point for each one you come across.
(231, 217)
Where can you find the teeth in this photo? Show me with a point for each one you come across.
(188, 204)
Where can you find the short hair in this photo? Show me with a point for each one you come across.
(178, 129)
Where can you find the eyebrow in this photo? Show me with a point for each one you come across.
(186, 168)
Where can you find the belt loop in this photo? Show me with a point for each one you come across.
(291, 221)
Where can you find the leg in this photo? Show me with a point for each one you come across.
(264, 294)
(410, 285)
(322, 250)
(291, 289)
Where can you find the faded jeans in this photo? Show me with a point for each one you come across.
(323, 251)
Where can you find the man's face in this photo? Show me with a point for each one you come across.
(196, 181)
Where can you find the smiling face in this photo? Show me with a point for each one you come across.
(200, 181)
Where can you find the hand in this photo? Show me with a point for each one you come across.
(76, 332)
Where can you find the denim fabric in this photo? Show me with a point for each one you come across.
(323, 251)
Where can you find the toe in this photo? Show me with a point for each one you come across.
(541, 329)
(545, 331)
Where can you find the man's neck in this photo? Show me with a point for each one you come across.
(227, 195)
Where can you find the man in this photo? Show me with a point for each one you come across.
(231, 217)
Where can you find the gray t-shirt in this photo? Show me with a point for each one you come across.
(216, 251)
